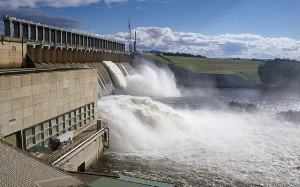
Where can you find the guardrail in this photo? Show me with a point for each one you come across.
(81, 146)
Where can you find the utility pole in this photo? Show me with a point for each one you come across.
(134, 41)
(129, 42)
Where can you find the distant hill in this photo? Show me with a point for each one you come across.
(246, 69)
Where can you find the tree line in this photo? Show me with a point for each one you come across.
(283, 73)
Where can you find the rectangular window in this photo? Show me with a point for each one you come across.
(47, 133)
(86, 108)
(53, 122)
(77, 112)
(29, 132)
(54, 130)
(46, 125)
(67, 123)
(82, 116)
(73, 121)
(61, 127)
(72, 114)
(38, 137)
(77, 119)
(60, 119)
(38, 129)
(82, 110)
(30, 141)
(67, 116)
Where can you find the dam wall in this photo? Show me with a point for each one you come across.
(32, 100)
(53, 111)
(13, 52)
(33, 45)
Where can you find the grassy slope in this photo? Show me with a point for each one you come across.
(243, 68)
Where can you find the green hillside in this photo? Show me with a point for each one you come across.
(244, 68)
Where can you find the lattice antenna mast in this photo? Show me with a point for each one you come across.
(129, 42)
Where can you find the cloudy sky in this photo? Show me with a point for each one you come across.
(213, 28)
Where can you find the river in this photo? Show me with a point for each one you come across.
(194, 138)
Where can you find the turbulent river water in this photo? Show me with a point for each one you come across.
(194, 138)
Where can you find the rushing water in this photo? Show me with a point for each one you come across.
(196, 139)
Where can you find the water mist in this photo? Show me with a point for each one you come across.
(209, 145)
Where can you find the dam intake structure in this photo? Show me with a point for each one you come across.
(36, 45)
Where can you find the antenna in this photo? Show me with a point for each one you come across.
(134, 41)
(129, 42)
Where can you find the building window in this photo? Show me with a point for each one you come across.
(53, 122)
(73, 121)
(61, 127)
(67, 116)
(38, 129)
(46, 125)
(67, 123)
(29, 141)
(72, 114)
(77, 112)
(54, 130)
(38, 137)
(29, 132)
(47, 133)
(60, 119)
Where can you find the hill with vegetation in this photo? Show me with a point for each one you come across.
(246, 69)
(281, 73)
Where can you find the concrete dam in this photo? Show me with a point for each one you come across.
(35, 45)
(50, 82)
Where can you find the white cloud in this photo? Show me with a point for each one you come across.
(50, 3)
(39, 17)
(221, 46)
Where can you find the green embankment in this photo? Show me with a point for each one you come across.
(244, 68)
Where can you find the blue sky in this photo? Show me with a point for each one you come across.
(213, 28)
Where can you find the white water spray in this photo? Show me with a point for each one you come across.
(116, 74)
(149, 80)
(253, 147)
